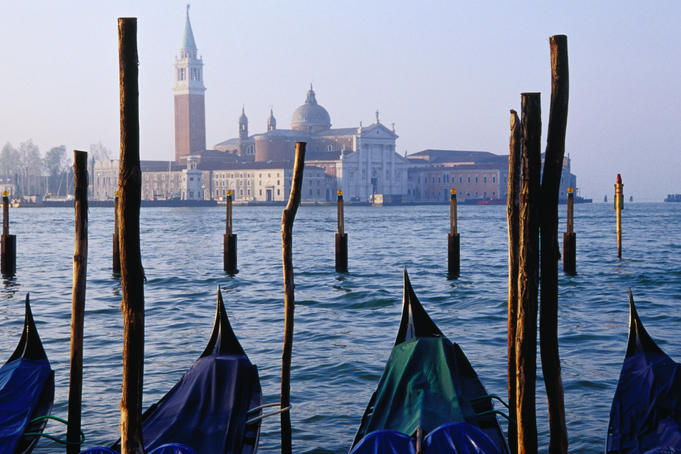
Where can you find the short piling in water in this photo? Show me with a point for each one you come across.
(619, 206)
(341, 238)
(453, 252)
(569, 238)
(229, 243)
(116, 257)
(9, 242)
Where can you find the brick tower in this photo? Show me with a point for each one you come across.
(190, 110)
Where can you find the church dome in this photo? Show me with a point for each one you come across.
(310, 117)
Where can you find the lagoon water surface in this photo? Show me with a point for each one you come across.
(345, 325)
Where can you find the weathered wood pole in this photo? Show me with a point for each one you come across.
(512, 214)
(528, 275)
(341, 238)
(132, 274)
(8, 259)
(229, 242)
(453, 252)
(550, 250)
(619, 206)
(287, 219)
(570, 238)
(116, 268)
(78, 302)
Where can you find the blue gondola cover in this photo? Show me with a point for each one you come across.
(646, 411)
(196, 413)
(170, 448)
(385, 441)
(459, 438)
(21, 382)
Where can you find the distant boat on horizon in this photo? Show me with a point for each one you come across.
(673, 198)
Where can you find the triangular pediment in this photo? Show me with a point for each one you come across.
(378, 131)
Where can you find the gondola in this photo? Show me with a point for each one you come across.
(429, 399)
(26, 391)
(646, 410)
(214, 408)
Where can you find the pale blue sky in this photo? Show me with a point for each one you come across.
(446, 73)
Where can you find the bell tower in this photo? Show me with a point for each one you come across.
(190, 110)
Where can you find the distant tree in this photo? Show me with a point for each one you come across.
(55, 160)
(30, 166)
(29, 158)
(9, 160)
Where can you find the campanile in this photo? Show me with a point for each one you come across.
(190, 110)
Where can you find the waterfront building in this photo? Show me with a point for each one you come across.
(477, 176)
(249, 182)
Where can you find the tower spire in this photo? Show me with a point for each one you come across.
(188, 43)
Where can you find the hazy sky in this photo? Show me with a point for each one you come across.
(446, 73)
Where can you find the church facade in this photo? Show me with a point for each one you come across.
(362, 160)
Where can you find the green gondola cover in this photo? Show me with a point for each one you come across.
(420, 387)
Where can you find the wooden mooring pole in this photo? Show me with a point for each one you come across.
(8, 259)
(132, 274)
(341, 238)
(229, 242)
(528, 275)
(116, 257)
(453, 252)
(570, 238)
(550, 249)
(78, 302)
(512, 213)
(619, 206)
(287, 219)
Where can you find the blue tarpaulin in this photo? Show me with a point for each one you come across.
(21, 382)
(385, 441)
(646, 411)
(452, 438)
(170, 448)
(459, 438)
(207, 409)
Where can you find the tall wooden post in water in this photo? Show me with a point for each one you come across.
(229, 243)
(132, 274)
(116, 258)
(453, 252)
(78, 302)
(619, 206)
(512, 213)
(287, 218)
(341, 238)
(569, 238)
(528, 275)
(8, 255)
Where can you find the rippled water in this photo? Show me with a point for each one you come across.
(344, 325)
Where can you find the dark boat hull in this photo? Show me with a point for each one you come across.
(208, 409)
(28, 390)
(646, 408)
(427, 382)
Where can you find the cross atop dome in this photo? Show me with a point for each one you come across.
(311, 98)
